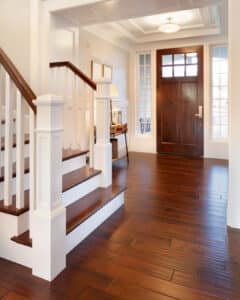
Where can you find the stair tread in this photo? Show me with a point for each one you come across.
(70, 153)
(78, 176)
(12, 209)
(69, 180)
(23, 239)
(26, 141)
(86, 206)
(67, 155)
(80, 211)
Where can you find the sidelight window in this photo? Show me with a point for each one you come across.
(219, 92)
(144, 94)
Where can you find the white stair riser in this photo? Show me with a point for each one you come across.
(81, 190)
(73, 164)
(92, 223)
(26, 154)
(26, 186)
(13, 226)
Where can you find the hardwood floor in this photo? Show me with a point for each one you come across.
(169, 242)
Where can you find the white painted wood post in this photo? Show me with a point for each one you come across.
(49, 217)
(103, 147)
(233, 213)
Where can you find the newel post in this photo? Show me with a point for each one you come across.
(49, 216)
(103, 147)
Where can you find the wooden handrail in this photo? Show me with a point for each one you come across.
(76, 70)
(17, 78)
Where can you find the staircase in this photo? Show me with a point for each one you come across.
(51, 199)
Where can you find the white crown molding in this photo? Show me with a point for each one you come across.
(58, 5)
(179, 35)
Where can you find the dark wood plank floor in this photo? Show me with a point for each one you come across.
(169, 242)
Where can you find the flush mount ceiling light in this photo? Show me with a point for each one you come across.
(169, 27)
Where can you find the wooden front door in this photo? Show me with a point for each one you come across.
(180, 101)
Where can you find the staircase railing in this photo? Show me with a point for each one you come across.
(16, 95)
(79, 93)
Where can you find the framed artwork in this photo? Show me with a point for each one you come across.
(97, 70)
(107, 72)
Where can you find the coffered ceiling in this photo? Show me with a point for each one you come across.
(138, 21)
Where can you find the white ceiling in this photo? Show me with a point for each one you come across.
(125, 20)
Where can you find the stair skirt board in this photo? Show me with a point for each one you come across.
(10, 250)
(87, 227)
(26, 154)
(74, 164)
(26, 186)
(81, 190)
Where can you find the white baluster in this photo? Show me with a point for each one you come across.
(8, 141)
(19, 152)
(66, 109)
(83, 117)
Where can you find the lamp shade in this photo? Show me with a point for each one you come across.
(113, 91)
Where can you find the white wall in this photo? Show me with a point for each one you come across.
(212, 149)
(15, 33)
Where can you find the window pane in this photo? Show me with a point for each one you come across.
(148, 59)
(141, 59)
(179, 59)
(167, 60)
(144, 99)
(167, 72)
(192, 70)
(179, 71)
(191, 58)
(219, 92)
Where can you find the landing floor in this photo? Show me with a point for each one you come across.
(169, 241)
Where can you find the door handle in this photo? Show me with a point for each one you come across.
(200, 112)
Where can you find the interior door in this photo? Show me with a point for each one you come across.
(180, 109)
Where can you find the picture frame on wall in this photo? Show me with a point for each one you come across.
(96, 70)
(107, 72)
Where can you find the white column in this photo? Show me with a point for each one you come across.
(103, 147)
(233, 215)
(49, 217)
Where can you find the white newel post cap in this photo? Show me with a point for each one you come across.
(50, 112)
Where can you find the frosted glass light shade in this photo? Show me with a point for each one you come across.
(169, 28)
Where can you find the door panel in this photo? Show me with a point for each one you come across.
(179, 96)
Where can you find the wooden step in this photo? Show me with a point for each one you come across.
(70, 153)
(77, 177)
(67, 155)
(69, 181)
(26, 141)
(88, 205)
(80, 211)
(12, 209)
(23, 239)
